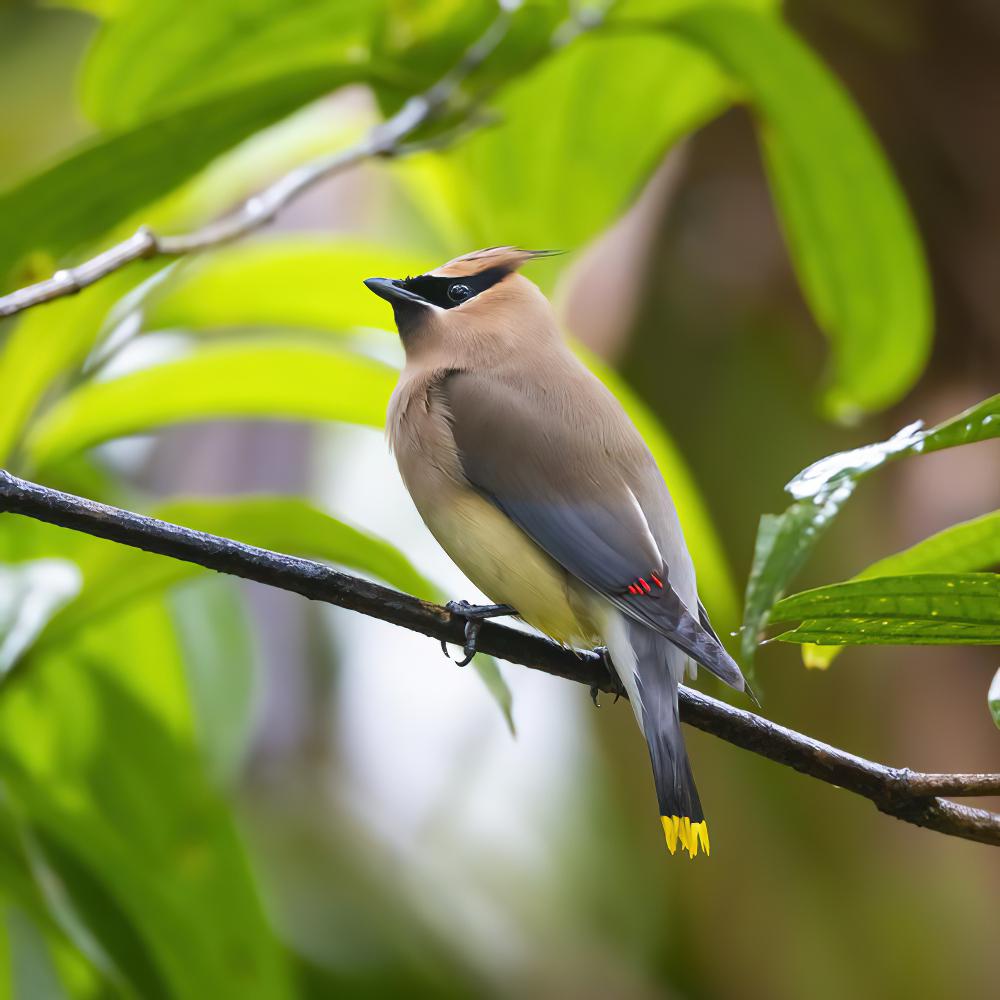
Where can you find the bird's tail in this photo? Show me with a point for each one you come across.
(656, 676)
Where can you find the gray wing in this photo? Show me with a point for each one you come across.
(561, 482)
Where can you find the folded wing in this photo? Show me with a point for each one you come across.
(564, 485)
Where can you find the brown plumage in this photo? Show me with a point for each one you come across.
(533, 479)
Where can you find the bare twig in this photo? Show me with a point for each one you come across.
(389, 138)
(907, 795)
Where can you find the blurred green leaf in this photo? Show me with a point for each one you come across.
(85, 195)
(962, 548)
(427, 40)
(87, 903)
(149, 61)
(555, 181)
(921, 609)
(785, 540)
(849, 229)
(287, 281)
(98, 758)
(219, 641)
(47, 345)
(268, 380)
(28, 900)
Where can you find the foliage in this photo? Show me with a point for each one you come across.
(784, 541)
(125, 861)
(922, 609)
(962, 548)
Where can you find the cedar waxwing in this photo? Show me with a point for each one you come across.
(533, 479)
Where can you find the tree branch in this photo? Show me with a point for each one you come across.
(389, 138)
(907, 795)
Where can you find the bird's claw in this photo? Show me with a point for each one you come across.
(471, 635)
(474, 615)
(616, 684)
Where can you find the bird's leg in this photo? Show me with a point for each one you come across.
(474, 615)
(616, 681)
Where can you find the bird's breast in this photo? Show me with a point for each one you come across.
(495, 554)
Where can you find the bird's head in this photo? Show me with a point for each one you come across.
(471, 291)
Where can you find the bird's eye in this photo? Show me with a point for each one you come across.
(459, 292)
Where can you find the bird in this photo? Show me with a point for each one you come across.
(533, 479)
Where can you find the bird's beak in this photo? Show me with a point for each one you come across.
(393, 291)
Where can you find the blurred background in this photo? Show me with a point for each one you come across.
(381, 830)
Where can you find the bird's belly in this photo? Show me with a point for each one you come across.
(507, 566)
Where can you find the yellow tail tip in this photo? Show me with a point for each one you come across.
(691, 836)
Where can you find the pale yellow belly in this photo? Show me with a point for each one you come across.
(510, 569)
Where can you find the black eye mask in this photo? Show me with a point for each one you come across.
(450, 292)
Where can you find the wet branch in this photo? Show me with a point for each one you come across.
(908, 795)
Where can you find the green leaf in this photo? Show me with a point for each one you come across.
(259, 379)
(921, 609)
(993, 698)
(216, 633)
(785, 541)
(97, 755)
(978, 423)
(287, 281)
(30, 900)
(962, 548)
(559, 185)
(149, 61)
(852, 238)
(85, 195)
(426, 40)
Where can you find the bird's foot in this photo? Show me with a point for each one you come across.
(616, 683)
(474, 615)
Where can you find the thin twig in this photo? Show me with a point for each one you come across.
(386, 139)
(907, 795)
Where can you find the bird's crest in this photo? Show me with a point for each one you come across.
(504, 259)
